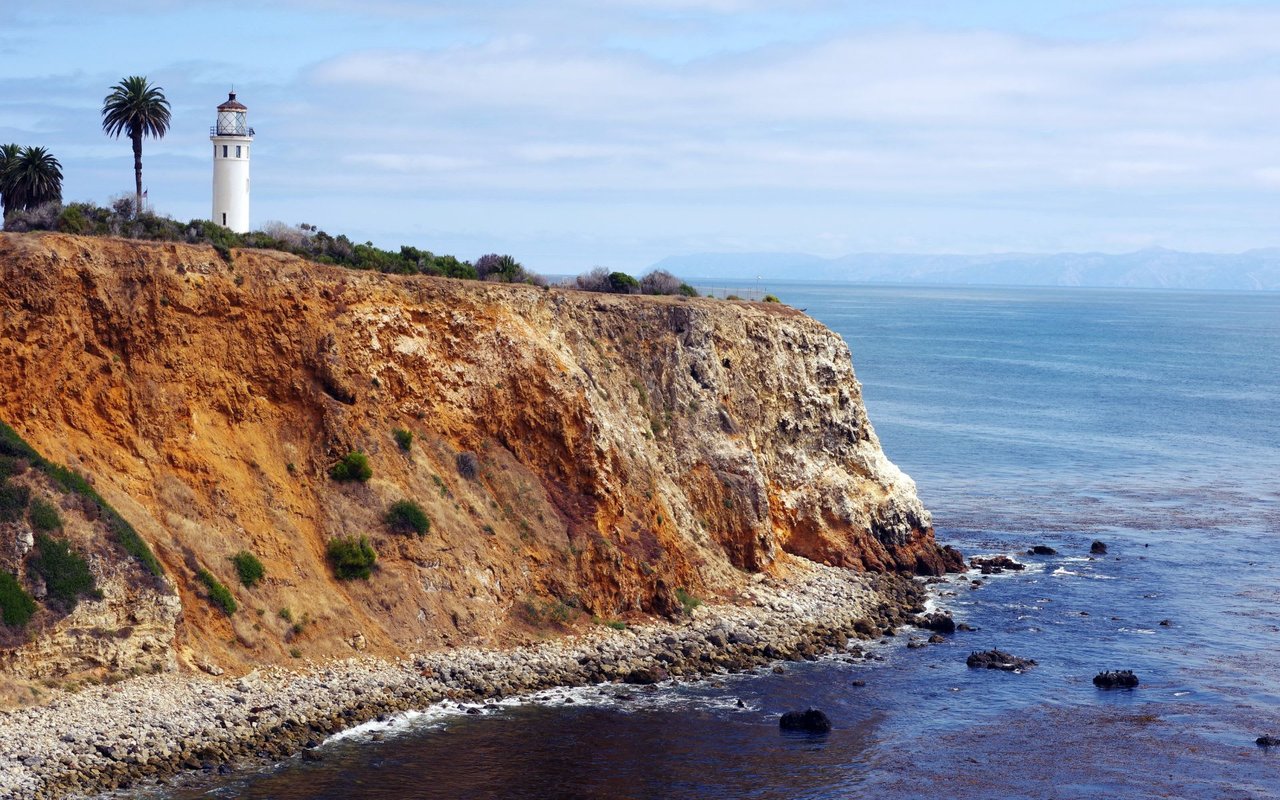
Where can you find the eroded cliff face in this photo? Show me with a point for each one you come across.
(627, 446)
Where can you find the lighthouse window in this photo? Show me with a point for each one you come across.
(224, 219)
(224, 151)
(237, 151)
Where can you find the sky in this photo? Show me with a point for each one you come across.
(581, 133)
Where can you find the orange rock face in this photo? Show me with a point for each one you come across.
(626, 447)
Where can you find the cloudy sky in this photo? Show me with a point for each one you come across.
(572, 133)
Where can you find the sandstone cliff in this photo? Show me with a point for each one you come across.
(627, 447)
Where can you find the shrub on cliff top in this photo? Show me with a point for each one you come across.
(354, 466)
(66, 574)
(16, 606)
(351, 557)
(248, 568)
(219, 594)
(406, 516)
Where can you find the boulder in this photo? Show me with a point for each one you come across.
(941, 623)
(1118, 679)
(1098, 548)
(810, 721)
(1267, 741)
(998, 659)
(994, 565)
(1042, 550)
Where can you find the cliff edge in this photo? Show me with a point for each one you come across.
(578, 455)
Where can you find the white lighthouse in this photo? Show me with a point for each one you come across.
(231, 139)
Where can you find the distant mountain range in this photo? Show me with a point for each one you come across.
(1154, 268)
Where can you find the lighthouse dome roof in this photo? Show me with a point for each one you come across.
(232, 104)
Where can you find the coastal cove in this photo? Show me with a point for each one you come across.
(1164, 447)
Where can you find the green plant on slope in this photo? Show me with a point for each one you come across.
(406, 516)
(219, 594)
(44, 516)
(354, 466)
(404, 438)
(16, 606)
(351, 557)
(65, 572)
(248, 568)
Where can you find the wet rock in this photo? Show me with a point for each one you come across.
(1267, 740)
(941, 623)
(858, 683)
(915, 644)
(1098, 548)
(1166, 623)
(937, 638)
(964, 626)
(1117, 679)
(809, 721)
(1042, 550)
(994, 565)
(312, 755)
(998, 659)
(778, 670)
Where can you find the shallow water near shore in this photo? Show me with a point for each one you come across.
(1148, 420)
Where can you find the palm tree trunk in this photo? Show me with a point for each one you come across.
(137, 171)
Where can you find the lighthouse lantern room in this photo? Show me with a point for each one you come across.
(231, 137)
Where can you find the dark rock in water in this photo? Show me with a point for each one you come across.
(1168, 623)
(915, 644)
(964, 626)
(1098, 548)
(858, 683)
(1118, 679)
(1042, 550)
(810, 721)
(741, 704)
(473, 711)
(311, 755)
(778, 670)
(998, 659)
(1267, 741)
(994, 565)
(942, 623)
(937, 638)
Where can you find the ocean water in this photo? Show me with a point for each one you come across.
(1148, 420)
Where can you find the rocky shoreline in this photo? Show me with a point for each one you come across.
(154, 727)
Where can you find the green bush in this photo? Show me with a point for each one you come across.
(769, 298)
(44, 516)
(687, 290)
(13, 502)
(354, 466)
(248, 567)
(406, 516)
(66, 574)
(687, 601)
(219, 594)
(16, 605)
(351, 557)
(403, 438)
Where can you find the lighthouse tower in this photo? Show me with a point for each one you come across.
(231, 139)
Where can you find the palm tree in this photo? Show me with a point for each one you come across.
(32, 178)
(136, 108)
(8, 155)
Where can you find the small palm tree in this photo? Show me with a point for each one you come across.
(32, 178)
(8, 155)
(136, 108)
